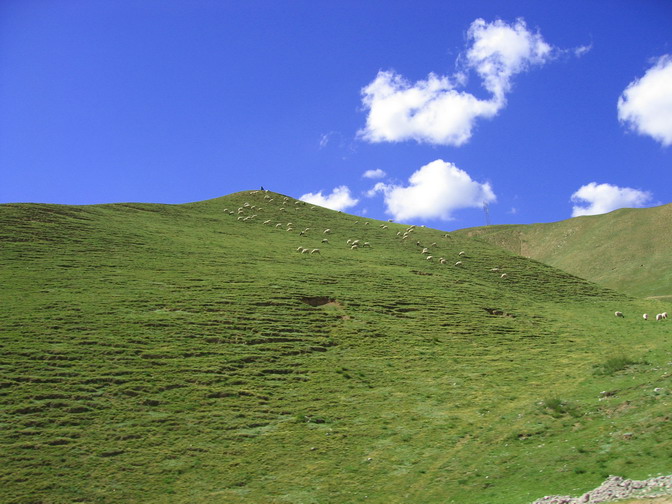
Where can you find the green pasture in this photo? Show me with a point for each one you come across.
(629, 250)
(183, 354)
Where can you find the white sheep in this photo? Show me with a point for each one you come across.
(354, 247)
(315, 251)
(327, 231)
(278, 225)
(425, 250)
(324, 240)
(458, 263)
(429, 258)
(494, 269)
(664, 314)
(619, 314)
(646, 316)
(461, 253)
(267, 221)
(299, 249)
(366, 244)
(659, 317)
(442, 260)
(305, 251)
(504, 275)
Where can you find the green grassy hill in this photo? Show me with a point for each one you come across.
(190, 354)
(629, 250)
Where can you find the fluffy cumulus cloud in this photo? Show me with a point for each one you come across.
(339, 199)
(435, 110)
(593, 199)
(646, 104)
(374, 174)
(435, 191)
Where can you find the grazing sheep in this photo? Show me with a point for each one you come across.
(659, 317)
(425, 250)
(646, 316)
(664, 314)
(442, 260)
(324, 240)
(461, 253)
(267, 221)
(619, 314)
(299, 249)
(278, 225)
(349, 242)
(315, 251)
(305, 251)
(494, 269)
(429, 258)
(433, 244)
(366, 244)
(458, 263)
(355, 242)
(354, 247)
(504, 275)
(327, 231)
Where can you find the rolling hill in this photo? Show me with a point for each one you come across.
(190, 353)
(629, 250)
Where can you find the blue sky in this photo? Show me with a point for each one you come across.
(419, 111)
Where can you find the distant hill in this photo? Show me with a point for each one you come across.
(629, 250)
(194, 354)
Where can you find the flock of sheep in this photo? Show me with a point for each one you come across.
(354, 244)
(249, 212)
(660, 316)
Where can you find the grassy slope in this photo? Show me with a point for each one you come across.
(628, 250)
(157, 353)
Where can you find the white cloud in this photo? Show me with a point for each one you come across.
(374, 174)
(500, 51)
(339, 199)
(435, 191)
(646, 104)
(593, 199)
(434, 110)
